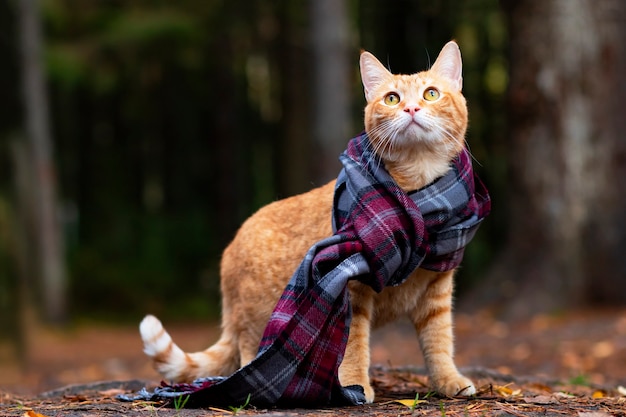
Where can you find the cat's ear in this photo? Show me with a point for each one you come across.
(373, 73)
(449, 65)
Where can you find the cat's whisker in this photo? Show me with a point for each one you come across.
(439, 125)
(384, 143)
(383, 140)
(469, 151)
(465, 142)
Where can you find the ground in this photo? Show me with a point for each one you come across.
(571, 364)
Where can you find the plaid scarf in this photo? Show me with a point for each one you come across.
(382, 234)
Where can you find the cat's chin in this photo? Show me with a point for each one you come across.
(417, 140)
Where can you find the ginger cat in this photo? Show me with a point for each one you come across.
(416, 124)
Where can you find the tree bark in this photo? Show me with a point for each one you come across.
(49, 240)
(331, 84)
(567, 220)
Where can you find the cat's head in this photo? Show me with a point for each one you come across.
(418, 113)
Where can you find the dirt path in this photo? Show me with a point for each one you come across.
(566, 365)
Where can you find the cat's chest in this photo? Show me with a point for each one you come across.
(402, 300)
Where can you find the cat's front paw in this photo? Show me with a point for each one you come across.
(456, 385)
(369, 393)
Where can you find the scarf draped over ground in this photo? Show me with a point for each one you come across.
(382, 234)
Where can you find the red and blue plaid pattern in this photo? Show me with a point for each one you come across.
(382, 234)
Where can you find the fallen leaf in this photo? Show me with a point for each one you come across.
(598, 394)
(31, 413)
(541, 387)
(541, 399)
(410, 402)
(594, 414)
(112, 392)
(485, 389)
(505, 391)
(502, 390)
(75, 398)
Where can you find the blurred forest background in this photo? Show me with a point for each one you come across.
(135, 137)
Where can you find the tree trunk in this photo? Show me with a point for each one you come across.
(566, 95)
(49, 253)
(331, 84)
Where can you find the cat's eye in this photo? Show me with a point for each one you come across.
(391, 99)
(431, 94)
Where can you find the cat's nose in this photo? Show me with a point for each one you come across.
(411, 110)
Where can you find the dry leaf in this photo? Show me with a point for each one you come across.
(541, 387)
(594, 414)
(112, 392)
(31, 413)
(410, 402)
(598, 394)
(505, 391)
(75, 398)
(541, 399)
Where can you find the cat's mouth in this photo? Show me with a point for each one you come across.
(414, 124)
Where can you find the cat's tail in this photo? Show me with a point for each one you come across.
(179, 366)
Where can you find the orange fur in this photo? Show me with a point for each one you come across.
(416, 139)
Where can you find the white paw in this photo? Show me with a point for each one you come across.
(454, 386)
(369, 393)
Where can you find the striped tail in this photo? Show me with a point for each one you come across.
(176, 365)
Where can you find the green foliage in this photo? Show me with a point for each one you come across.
(137, 29)
(141, 258)
(416, 401)
(442, 409)
(236, 410)
(66, 65)
(580, 380)
(180, 402)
